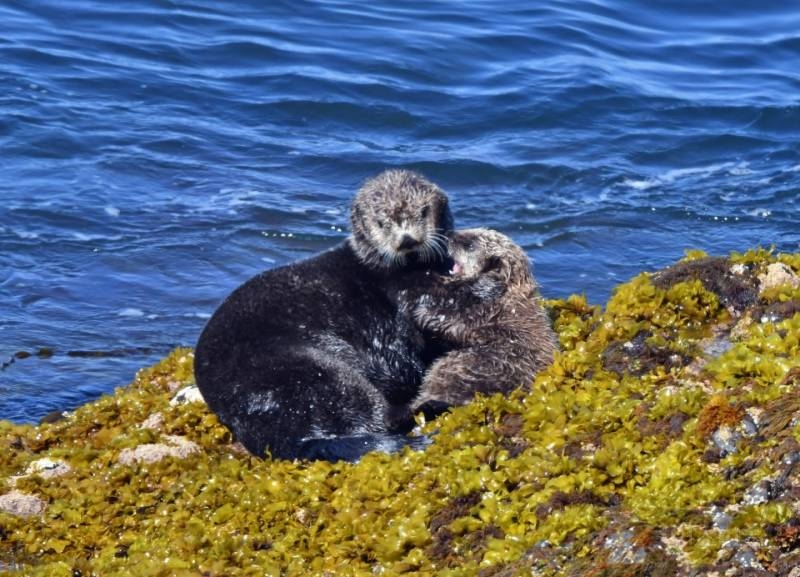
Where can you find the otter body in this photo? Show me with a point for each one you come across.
(489, 312)
(311, 359)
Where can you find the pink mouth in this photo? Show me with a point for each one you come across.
(456, 270)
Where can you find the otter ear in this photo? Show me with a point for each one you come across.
(445, 222)
(498, 268)
(493, 263)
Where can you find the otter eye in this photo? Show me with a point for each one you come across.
(466, 242)
(425, 211)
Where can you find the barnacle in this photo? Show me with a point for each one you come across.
(608, 445)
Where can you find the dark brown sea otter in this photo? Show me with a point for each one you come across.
(312, 359)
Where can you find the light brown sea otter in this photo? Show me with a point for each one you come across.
(490, 312)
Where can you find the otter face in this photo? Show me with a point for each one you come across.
(482, 251)
(400, 217)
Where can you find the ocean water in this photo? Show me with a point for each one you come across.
(157, 153)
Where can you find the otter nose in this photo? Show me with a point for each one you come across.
(407, 242)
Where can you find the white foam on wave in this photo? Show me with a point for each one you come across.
(111, 211)
(83, 237)
(640, 184)
(130, 312)
(227, 199)
(699, 172)
(760, 212)
(742, 169)
(197, 315)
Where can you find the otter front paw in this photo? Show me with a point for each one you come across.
(488, 288)
(423, 308)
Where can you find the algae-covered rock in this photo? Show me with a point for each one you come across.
(664, 440)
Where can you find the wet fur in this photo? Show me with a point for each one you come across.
(491, 316)
(311, 359)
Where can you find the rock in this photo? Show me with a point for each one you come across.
(623, 548)
(54, 417)
(154, 421)
(745, 558)
(21, 504)
(757, 494)
(778, 274)
(178, 447)
(726, 438)
(733, 285)
(720, 519)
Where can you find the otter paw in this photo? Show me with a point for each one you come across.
(488, 288)
(423, 308)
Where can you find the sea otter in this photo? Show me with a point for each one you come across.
(489, 312)
(311, 360)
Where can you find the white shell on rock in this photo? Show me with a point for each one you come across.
(46, 468)
(190, 394)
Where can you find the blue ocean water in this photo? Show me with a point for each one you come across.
(157, 153)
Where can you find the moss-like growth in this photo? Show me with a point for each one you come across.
(608, 464)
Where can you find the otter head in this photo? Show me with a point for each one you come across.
(398, 218)
(479, 252)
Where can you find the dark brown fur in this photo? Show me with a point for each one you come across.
(311, 359)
